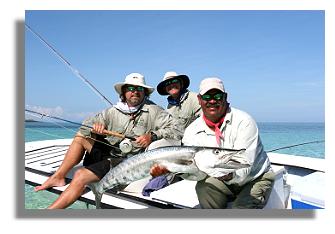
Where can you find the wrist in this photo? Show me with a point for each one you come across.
(154, 137)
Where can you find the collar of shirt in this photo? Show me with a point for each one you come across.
(204, 128)
(180, 99)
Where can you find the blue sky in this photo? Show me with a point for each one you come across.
(271, 62)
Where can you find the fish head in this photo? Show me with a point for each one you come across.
(209, 158)
(222, 154)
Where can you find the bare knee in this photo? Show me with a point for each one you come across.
(83, 177)
(84, 142)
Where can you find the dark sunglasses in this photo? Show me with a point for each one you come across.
(216, 97)
(172, 81)
(133, 88)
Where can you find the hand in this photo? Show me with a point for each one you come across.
(225, 177)
(144, 141)
(157, 170)
(98, 128)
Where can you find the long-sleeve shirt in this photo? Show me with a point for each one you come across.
(150, 118)
(186, 111)
(240, 132)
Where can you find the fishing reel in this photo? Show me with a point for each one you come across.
(126, 146)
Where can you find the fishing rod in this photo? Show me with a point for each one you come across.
(110, 133)
(74, 70)
(290, 146)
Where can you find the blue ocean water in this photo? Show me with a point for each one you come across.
(277, 135)
(273, 136)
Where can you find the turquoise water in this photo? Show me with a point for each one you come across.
(35, 131)
(273, 135)
(277, 135)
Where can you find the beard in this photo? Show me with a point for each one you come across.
(135, 100)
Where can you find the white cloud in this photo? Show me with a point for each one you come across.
(80, 116)
(56, 111)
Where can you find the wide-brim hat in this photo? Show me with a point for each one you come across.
(172, 75)
(133, 79)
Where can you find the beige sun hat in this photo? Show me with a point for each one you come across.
(133, 79)
(211, 83)
(171, 75)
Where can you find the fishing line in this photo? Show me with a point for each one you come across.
(79, 124)
(66, 62)
(48, 134)
(52, 121)
(58, 137)
(34, 113)
(54, 117)
(290, 146)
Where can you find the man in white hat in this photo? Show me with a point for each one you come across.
(182, 103)
(223, 126)
(134, 116)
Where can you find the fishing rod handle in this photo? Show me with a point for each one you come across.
(110, 133)
(116, 134)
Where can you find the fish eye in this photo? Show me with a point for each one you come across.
(216, 151)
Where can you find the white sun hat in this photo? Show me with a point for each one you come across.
(133, 79)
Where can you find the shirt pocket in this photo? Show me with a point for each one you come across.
(141, 126)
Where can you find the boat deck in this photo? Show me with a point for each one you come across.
(42, 159)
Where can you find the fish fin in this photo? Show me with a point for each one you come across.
(180, 168)
(195, 177)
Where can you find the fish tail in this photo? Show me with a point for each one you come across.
(97, 195)
(98, 198)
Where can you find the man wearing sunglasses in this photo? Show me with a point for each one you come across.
(227, 127)
(182, 103)
(134, 116)
(184, 107)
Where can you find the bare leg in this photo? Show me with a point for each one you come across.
(73, 156)
(81, 178)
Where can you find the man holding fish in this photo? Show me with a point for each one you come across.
(223, 126)
(227, 127)
(134, 116)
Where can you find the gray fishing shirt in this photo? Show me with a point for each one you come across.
(150, 118)
(240, 132)
(187, 110)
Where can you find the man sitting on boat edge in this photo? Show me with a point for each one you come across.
(134, 116)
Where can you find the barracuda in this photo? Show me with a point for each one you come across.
(177, 159)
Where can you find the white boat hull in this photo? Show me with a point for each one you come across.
(299, 182)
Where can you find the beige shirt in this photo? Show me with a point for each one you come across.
(240, 132)
(187, 111)
(150, 118)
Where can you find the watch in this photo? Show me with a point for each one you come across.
(153, 137)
